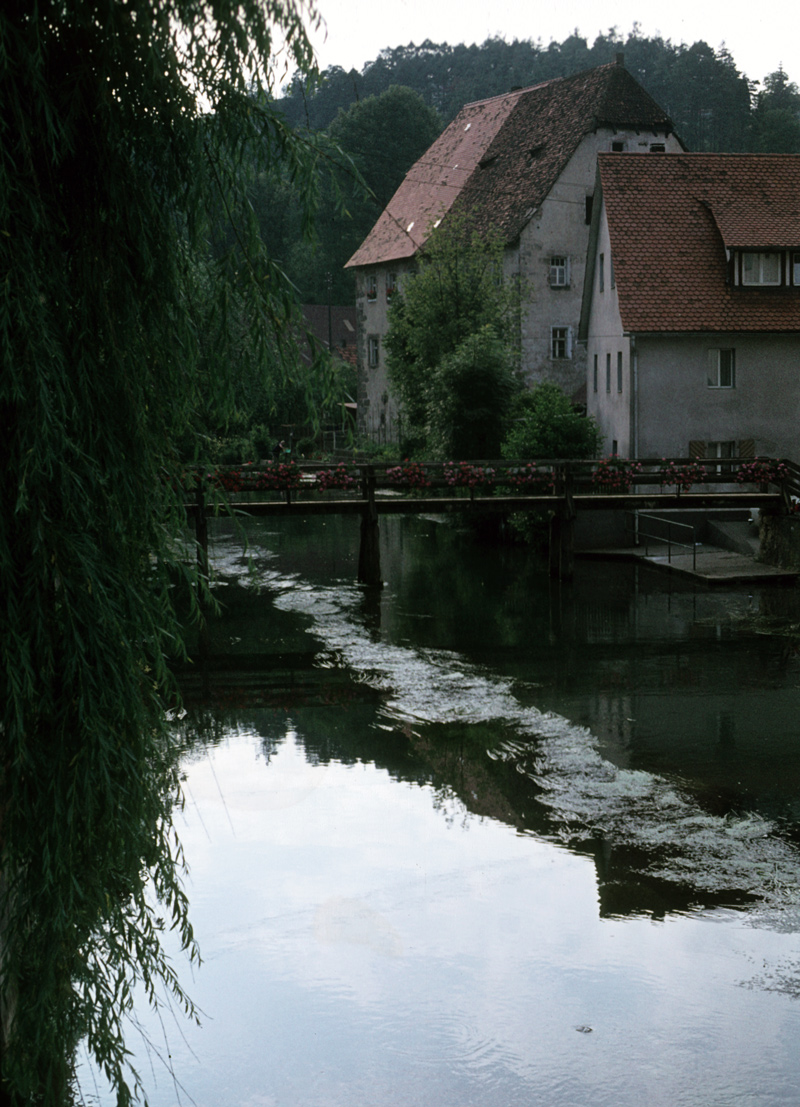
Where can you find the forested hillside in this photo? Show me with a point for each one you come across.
(384, 117)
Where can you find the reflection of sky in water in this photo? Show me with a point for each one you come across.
(369, 941)
(361, 948)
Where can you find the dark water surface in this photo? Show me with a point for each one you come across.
(479, 840)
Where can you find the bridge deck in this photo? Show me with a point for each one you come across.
(442, 505)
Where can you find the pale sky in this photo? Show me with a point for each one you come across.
(760, 37)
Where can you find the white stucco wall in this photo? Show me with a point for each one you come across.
(560, 228)
(676, 405)
(610, 405)
(377, 408)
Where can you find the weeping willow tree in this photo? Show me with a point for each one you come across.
(127, 126)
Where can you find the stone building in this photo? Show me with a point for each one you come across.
(523, 165)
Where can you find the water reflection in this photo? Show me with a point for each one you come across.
(462, 823)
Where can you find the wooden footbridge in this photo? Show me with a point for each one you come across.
(559, 488)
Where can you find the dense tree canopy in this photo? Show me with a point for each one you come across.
(372, 144)
(127, 132)
(703, 90)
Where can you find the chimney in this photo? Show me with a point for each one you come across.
(620, 59)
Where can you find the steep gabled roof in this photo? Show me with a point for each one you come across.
(499, 158)
(672, 219)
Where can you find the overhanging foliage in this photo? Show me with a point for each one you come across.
(127, 129)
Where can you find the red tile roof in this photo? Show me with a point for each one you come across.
(671, 217)
(499, 158)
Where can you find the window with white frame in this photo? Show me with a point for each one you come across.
(373, 351)
(761, 268)
(391, 285)
(372, 287)
(560, 343)
(721, 450)
(722, 368)
(559, 271)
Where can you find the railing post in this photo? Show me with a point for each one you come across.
(562, 528)
(201, 536)
(369, 553)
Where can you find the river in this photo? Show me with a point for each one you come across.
(484, 840)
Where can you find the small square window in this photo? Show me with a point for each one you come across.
(373, 351)
(559, 271)
(721, 368)
(658, 148)
(617, 147)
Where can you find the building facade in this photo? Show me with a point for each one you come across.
(691, 318)
(522, 165)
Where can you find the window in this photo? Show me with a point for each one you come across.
(761, 268)
(560, 342)
(601, 273)
(617, 147)
(796, 269)
(608, 372)
(611, 277)
(721, 449)
(391, 285)
(587, 212)
(373, 351)
(721, 369)
(559, 271)
(658, 148)
(619, 370)
(372, 287)
(595, 372)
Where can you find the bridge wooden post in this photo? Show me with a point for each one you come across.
(562, 530)
(369, 552)
(201, 536)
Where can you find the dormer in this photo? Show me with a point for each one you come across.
(765, 268)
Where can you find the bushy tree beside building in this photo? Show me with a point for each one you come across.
(451, 339)
(545, 424)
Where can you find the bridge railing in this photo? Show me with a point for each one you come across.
(293, 480)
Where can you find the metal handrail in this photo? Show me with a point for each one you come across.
(639, 533)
